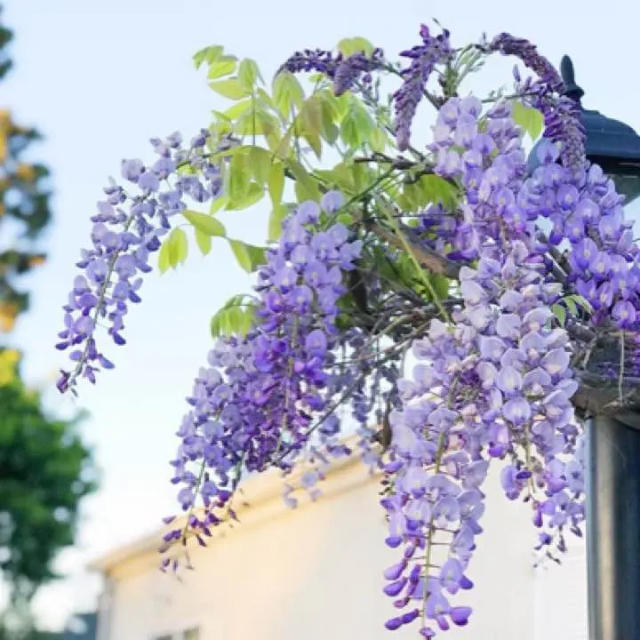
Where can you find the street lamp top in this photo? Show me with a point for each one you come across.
(612, 144)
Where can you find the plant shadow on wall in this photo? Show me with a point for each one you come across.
(44, 468)
(516, 290)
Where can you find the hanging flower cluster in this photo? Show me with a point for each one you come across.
(255, 405)
(126, 230)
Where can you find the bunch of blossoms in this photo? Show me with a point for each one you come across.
(484, 154)
(345, 72)
(126, 230)
(495, 383)
(254, 406)
(424, 58)
(587, 214)
(561, 113)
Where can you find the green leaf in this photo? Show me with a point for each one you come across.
(163, 257)
(305, 186)
(178, 247)
(345, 218)
(275, 222)
(248, 73)
(208, 55)
(311, 115)
(237, 109)
(248, 256)
(251, 195)
(219, 203)
(203, 241)
(530, 119)
(236, 317)
(223, 66)
(275, 182)
(560, 312)
(205, 224)
(571, 305)
(239, 175)
(378, 140)
(230, 88)
(357, 125)
(582, 302)
(260, 164)
(287, 92)
(436, 189)
(349, 46)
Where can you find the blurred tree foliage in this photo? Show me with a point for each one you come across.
(44, 467)
(24, 209)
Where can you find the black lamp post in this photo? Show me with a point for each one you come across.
(613, 473)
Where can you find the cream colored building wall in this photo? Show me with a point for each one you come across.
(315, 573)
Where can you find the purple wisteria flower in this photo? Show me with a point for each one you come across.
(255, 404)
(424, 57)
(127, 229)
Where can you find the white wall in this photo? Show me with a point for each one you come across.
(315, 573)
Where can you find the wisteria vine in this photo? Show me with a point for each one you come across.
(503, 283)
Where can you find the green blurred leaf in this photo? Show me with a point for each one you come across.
(236, 110)
(204, 223)
(530, 119)
(275, 183)
(305, 186)
(164, 260)
(349, 46)
(248, 73)
(239, 175)
(436, 189)
(260, 164)
(219, 203)
(223, 66)
(203, 241)
(252, 194)
(208, 55)
(560, 312)
(248, 256)
(178, 247)
(278, 214)
(230, 88)
(287, 92)
(378, 140)
(236, 317)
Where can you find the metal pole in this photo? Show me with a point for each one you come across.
(613, 529)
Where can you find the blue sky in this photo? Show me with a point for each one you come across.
(99, 79)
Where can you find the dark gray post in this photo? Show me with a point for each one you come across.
(613, 529)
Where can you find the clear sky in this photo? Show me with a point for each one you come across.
(99, 78)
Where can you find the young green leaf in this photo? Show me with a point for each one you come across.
(252, 194)
(275, 182)
(248, 73)
(178, 247)
(275, 221)
(203, 241)
(349, 46)
(203, 223)
(530, 119)
(287, 92)
(230, 88)
(248, 256)
(260, 164)
(163, 257)
(236, 317)
(223, 66)
(559, 312)
(208, 55)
